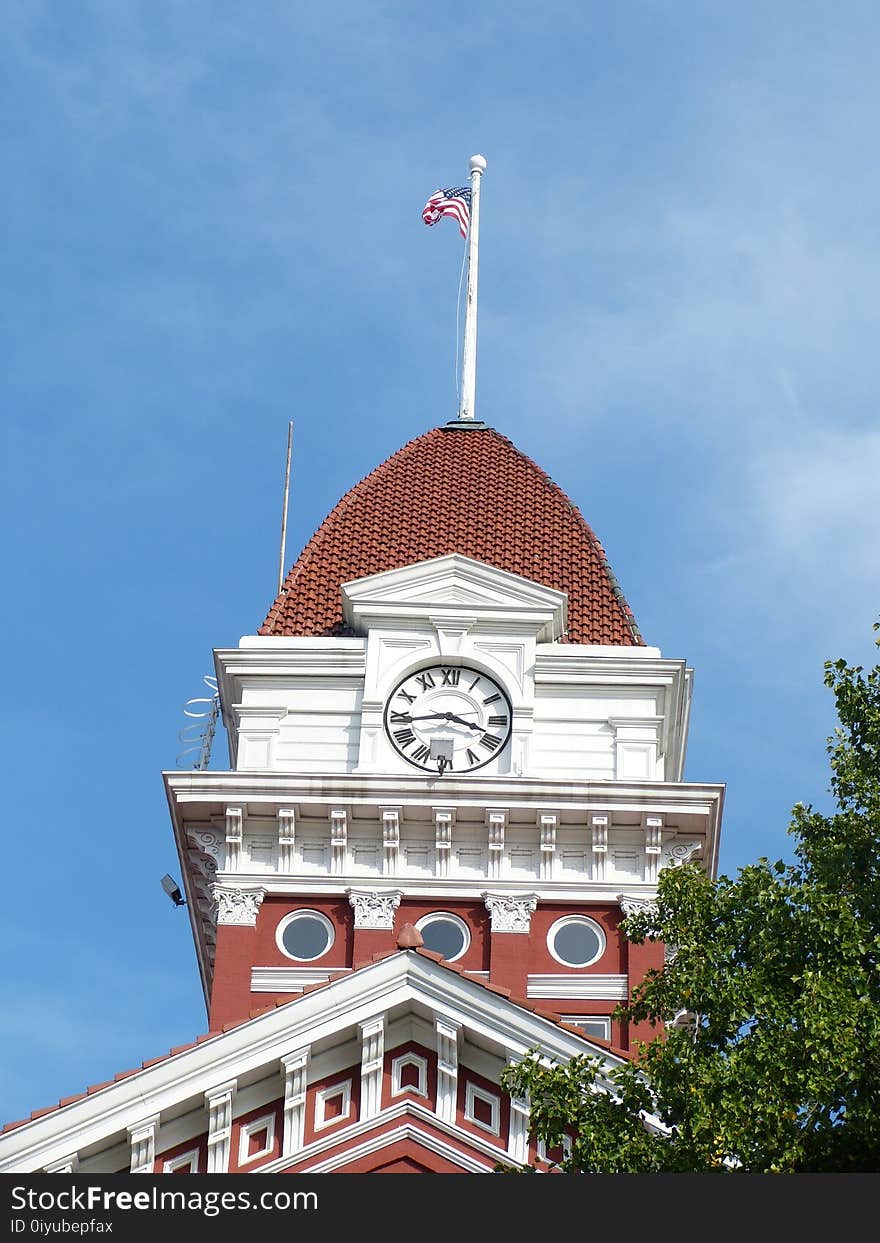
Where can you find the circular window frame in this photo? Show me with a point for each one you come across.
(564, 922)
(292, 917)
(435, 916)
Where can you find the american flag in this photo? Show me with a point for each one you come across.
(455, 203)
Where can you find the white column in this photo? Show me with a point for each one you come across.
(443, 819)
(295, 1067)
(234, 819)
(390, 840)
(286, 838)
(447, 1068)
(496, 818)
(469, 357)
(518, 1134)
(653, 846)
(142, 1138)
(547, 821)
(218, 1103)
(600, 846)
(338, 840)
(372, 1064)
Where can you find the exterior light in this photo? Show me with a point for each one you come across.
(171, 887)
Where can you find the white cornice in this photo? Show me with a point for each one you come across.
(404, 788)
(402, 980)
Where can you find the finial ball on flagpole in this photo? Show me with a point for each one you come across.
(478, 162)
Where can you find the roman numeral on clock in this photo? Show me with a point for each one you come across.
(491, 699)
(450, 677)
(425, 680)
(490, 742)
(472, 756)
(410, 699)
(498, 720)
(404, 736)
(421, 753)
(399, 716)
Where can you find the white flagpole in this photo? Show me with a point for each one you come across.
(469, 358)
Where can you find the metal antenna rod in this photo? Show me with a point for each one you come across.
(284, 508)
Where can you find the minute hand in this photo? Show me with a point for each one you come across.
(446, 716)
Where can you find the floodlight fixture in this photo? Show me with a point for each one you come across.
(171, 887)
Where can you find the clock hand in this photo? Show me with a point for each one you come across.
(450, 716)
(438, 716)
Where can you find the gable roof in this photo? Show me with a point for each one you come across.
(456, 491)
(274, 1031)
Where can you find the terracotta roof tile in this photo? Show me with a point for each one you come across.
(470, 492)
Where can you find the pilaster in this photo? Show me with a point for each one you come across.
(447, 1068)
(295, 1069)
(218, 1103)
(142, 1138)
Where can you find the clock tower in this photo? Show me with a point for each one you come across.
(455, 766)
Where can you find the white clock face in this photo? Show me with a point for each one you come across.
(450, 704)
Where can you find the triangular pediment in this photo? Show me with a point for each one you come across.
(403, 983)
(452, 586)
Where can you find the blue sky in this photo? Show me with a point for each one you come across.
(211, 217)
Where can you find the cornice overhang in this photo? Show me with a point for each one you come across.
(452, 588)
(200, 796)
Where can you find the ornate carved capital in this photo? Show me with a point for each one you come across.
(237, 906)
(510, 912)
(632, 906)
(374, 908)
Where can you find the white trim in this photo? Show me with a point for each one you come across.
(471, 1094)
(266, 1123)
(291, 979)
(406, 1131)
(406, 1110)
(323, 1095)
(564, 922)
(565, 1146)
(397, 1065)
(397, 982)
(290, 918)
(435, 917)
(578, 987)
(189, 1159)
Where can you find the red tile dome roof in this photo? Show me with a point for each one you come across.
(465, 490)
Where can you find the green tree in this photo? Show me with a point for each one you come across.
(770, 1057)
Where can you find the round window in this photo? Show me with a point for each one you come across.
(445, 934)
(576, 941)
(305, 935)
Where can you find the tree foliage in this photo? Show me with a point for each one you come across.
(774, 1062)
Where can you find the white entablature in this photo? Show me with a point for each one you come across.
(579, 712)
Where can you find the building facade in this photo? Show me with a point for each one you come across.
(455, 765)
